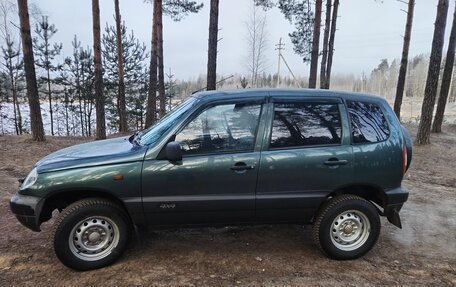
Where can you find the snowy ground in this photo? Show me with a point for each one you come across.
(7, 119)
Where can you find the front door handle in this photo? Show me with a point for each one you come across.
(241, 166)
(335, 161)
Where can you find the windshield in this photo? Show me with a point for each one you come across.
(151, 135)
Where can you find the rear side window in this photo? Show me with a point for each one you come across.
(368, 123)
(305, 124)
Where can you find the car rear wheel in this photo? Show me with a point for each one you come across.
(90, 234)
(346, 227)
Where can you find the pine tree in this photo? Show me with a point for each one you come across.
(46, 53)
(446, 79)
(99, 98)
(424, 128)
(160, 62)
(134, 56)
(137, 100)
(305, 37)
(324, 55)
(170, 89)
(121, 96)
(212, 46)
(14, 67)
(36, 120)
(332, 39)
(404, 60)
(315, 46)
(299, 13)
(151, 111)
(78, 77)
(176, 9)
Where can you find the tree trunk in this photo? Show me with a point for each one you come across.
(446, 79)
(324, 55)
(81, 115)
(152, 90)
(16, 108)
(332, 38)
(430, 91)
(160, 59)
(123, 127)
(404, 60)
(452, 96)
(19, 117)
(212, 46)
(79, 93)
(48, 80)
(315, 45)
(67, 128)
(99, 99)
(36, 122)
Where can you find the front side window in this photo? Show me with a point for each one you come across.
(368, 123)
(222, 128)
(305, 124)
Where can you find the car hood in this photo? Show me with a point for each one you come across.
(103, 152)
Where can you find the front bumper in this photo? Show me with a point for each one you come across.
(393, 202)
(27, 210)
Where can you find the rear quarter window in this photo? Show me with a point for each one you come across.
(368, 123)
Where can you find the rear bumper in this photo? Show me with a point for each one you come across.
(394, 200)
(27, 210)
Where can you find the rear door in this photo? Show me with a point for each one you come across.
(306, 156)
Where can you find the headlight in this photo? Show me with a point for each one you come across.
(30, 179)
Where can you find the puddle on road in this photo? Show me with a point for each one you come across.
(428, 227)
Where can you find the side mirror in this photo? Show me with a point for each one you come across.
(173, 151)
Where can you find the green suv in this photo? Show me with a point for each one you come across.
(335, 160)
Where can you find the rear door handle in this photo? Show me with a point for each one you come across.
(335, 161)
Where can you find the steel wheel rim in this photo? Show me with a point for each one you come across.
(93, 238)
(350, 230)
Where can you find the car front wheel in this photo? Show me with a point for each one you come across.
(346, 227)
(91, 233)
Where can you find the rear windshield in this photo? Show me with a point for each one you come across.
(368, 123)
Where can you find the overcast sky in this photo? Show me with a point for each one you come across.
(368, 31)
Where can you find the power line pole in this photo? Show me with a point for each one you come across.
(291, 72)
(279, 47)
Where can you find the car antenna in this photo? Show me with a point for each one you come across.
(205, 88)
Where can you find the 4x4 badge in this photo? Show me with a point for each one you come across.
(167, 205)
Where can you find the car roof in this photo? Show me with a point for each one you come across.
(277, 93)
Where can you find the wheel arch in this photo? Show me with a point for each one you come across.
(372, 193)
(61, 199)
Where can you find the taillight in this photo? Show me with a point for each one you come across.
(404, 159)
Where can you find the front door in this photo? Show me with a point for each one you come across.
(216, 180)
(307, 157)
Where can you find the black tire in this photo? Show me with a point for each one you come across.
(346, 227)
(99, 230)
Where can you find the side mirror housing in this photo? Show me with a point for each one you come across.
(173, 151)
